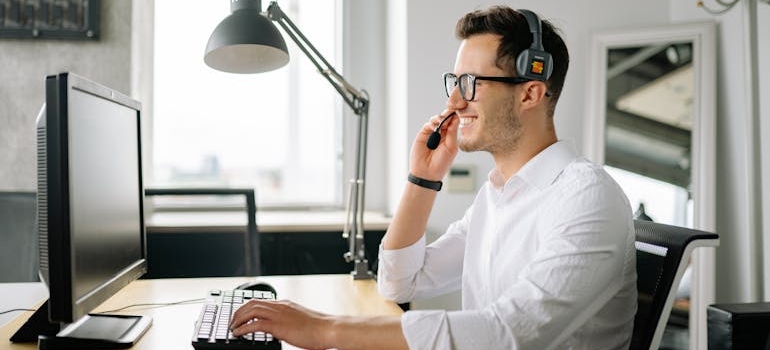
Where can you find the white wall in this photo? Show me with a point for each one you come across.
(24, 64)
(363, 67)
(764, 117)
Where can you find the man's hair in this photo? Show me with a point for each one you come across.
(515, 37)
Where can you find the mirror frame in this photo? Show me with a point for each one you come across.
(703, 171)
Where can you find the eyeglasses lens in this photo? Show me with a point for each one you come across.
(450, 81)
(467, 86)
(464, 82)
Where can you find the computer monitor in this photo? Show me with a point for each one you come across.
(90, 212)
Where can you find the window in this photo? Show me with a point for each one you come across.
(277, 132)
(662, 202)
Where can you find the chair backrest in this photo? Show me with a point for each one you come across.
(176, 254)
(18, 237)
(662, 253)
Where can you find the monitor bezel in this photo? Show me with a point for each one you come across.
(58, 273)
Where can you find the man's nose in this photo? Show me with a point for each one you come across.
(455, 100)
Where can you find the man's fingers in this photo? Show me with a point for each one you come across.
(254, 309)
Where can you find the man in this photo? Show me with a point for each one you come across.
(544, 257)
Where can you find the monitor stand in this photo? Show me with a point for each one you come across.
(93, 331)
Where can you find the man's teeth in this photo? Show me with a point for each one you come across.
(464, 121)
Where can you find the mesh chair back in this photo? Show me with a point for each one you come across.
(662, 253)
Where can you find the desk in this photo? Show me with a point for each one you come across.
(20, 295)
(172, 326)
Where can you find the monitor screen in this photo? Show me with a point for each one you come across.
(90, 197)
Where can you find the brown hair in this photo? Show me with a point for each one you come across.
(515, 37)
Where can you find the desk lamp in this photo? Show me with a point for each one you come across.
(246, 41)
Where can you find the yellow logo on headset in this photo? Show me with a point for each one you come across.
(537, 67)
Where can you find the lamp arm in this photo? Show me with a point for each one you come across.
(358, 100)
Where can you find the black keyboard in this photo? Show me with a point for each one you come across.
(212, 329)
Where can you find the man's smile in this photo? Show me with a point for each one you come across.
(465, 121)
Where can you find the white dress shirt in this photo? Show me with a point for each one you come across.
(545, 260)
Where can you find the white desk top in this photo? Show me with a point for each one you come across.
(23, 295)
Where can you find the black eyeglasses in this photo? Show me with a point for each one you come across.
(467, 83)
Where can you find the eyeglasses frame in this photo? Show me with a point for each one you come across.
(508, 80)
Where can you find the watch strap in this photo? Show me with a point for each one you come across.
(432, 185)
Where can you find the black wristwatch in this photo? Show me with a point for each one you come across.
(433, 185)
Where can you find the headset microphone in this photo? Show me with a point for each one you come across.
(435, 137)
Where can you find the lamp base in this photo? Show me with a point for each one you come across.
(361, 270)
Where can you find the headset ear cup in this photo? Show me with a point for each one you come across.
(534, 63)
(522, 62)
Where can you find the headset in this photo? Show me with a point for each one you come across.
(534, 63)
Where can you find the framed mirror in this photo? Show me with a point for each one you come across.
(651, 121)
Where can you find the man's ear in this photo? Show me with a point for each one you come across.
(534, 92)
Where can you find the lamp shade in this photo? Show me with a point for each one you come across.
(246, 42)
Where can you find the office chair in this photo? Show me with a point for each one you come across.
(18, 234)
(662, 253)
(205, 251)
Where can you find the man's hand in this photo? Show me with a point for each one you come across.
(285, 320)
(433, 164)
(310, 329)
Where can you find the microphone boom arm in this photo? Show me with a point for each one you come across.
(358, 101)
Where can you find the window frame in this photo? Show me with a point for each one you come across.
(340, 163)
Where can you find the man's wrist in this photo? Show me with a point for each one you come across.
(432, 185)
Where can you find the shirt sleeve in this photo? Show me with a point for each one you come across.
(468, 329)
(422, 271)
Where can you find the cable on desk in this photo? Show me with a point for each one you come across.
(14, 310)
(150, 305)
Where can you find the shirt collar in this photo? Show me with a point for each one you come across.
(543, 169)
